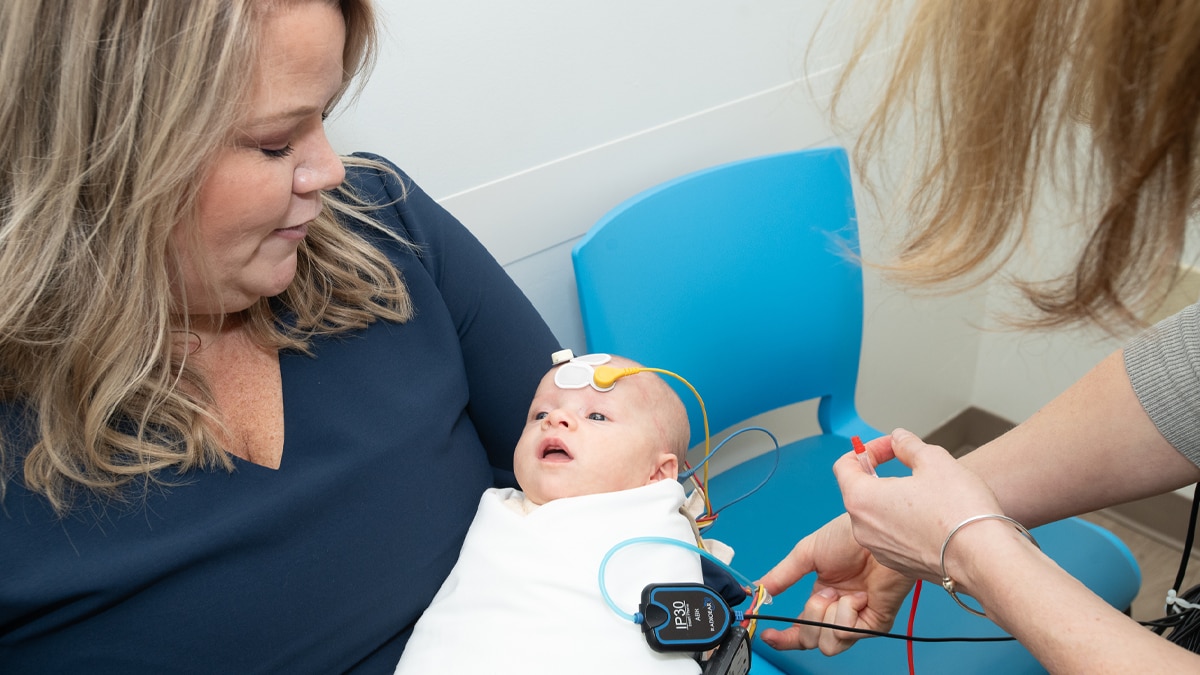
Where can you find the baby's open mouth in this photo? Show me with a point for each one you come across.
(554, 451)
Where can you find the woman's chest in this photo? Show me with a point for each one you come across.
(247, 389)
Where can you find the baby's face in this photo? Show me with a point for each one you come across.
(582, 441)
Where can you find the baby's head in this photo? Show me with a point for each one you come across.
(585, 441)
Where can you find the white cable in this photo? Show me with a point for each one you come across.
(1174, 600)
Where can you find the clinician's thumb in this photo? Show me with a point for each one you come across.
(907, 447)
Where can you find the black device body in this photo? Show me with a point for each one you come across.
(683, 617)
(732, 657)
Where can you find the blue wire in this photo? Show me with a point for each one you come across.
(770, 473)
(688, 474)
(637, 618)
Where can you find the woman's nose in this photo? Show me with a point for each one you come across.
(322, 170)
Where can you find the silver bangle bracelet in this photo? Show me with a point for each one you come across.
(947, 582)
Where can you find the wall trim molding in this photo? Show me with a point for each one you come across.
(969, 429)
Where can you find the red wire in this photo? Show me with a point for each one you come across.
(912, 618)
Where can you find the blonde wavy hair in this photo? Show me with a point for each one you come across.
(1100, 97)
(114, 110)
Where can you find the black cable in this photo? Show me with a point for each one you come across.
(1185, 631)
(1164, 622)
(1182, 626)
(876, 633)
(1187, 544)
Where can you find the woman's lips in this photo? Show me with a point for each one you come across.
(297, 232)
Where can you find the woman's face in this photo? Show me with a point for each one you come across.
(264, 187)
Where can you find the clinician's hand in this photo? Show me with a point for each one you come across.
(852, 589)
(903, 521)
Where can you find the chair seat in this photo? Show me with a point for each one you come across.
(803, 495)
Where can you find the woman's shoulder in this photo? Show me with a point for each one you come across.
(390, 197)
(375, 178)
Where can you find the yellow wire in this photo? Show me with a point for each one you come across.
(610, 375)
(707, 438)
(760, 593)
(605, 376)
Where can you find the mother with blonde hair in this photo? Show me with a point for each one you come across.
(250, 391)
(1010, 97)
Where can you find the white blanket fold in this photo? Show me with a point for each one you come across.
(524, 596)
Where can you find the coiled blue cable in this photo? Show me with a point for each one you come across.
(688, 474)
(637, 618)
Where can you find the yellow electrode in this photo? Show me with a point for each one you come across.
(605, 376)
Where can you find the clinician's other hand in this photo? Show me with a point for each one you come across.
(903, 521)
(852, 589)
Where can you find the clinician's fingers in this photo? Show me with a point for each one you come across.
(800, 636)
(847, 469)
(910, 449)
(880, 449)
(845, 613)
(782, 639)
(788, 571)
(815, 610)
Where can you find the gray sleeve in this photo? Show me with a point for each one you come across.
(1163, 364)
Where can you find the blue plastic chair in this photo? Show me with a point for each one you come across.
(743, 278)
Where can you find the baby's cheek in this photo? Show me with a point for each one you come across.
(521, 470)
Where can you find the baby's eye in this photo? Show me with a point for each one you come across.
(597, 417)
(539, 415)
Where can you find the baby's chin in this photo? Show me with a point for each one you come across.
(540, 485)
(543, 494)
(540, 495)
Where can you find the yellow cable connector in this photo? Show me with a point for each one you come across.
(605, 376)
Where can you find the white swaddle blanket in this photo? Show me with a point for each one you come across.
(524, 596)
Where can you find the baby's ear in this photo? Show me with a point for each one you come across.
(667, 467)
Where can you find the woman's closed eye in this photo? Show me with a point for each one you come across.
(278, 153)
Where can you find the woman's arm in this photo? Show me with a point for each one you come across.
(1093, 446)
(1066, 627)
(904, 522)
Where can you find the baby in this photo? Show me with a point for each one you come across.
(597, 465)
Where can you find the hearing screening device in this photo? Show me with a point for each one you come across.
(683, 617)
(695, 618)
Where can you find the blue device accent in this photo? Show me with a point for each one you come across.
(683, 617)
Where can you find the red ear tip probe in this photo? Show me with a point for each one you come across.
(864, 457)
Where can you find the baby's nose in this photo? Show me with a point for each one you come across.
(560, 417)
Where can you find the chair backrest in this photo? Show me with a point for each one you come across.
(743, 278)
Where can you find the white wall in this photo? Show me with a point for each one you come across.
(529, 119)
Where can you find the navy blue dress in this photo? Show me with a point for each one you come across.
(321, 566)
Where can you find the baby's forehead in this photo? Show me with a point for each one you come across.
(610, 375)
(631, 389)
